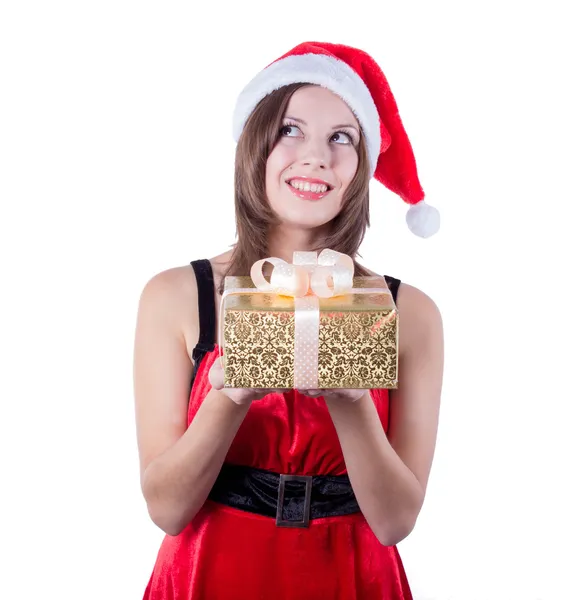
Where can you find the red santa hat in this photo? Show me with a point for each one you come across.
(356, 78)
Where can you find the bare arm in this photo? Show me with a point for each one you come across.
(177, 483)
(390, 474)
(386, 490)
(178, 465)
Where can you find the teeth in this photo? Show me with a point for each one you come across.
(303, 186)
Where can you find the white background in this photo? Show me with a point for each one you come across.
(116, 162)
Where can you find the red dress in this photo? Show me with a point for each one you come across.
(230, 554)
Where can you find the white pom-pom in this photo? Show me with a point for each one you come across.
(423, 220)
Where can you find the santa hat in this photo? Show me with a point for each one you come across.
(356, 78)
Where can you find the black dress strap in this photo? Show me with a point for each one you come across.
(207, 318)
(393, 285)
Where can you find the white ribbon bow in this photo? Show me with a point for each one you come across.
(327, 274)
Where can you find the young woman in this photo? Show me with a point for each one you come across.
(312, 129)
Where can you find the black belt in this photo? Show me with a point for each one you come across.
(291, 499)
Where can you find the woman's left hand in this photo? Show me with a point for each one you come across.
(336, 395)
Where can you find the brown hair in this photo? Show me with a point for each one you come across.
(254, 217)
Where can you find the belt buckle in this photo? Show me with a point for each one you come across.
(308, 481)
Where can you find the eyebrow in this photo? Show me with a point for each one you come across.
(334, 126)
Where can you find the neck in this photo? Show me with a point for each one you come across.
(284, 241)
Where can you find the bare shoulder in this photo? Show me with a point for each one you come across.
(413, 299)
(171, 295)
(176, 282)
(419, 313)
(417, 310)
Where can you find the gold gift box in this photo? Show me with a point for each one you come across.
(358, 338)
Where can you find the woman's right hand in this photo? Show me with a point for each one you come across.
(240, 396)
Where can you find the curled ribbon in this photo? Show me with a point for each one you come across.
(309, 272)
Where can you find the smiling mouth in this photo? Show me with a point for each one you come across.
(308, 194)
(308, 190)
(309, 185)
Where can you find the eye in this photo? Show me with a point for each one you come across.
(288, 131)
(342, 137)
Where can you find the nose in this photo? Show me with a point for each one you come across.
(316, 154)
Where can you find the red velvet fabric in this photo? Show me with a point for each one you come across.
(229, 554)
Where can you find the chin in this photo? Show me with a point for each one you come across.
(304, 214)
(304, 221)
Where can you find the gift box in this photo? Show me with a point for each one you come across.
(306, 341)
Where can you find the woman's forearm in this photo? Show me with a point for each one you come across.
(387, 491)
(177, 483)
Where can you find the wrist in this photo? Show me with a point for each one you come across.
(234, 404)
(342, 411)
(342, 399)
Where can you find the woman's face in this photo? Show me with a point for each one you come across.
(314, 160)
